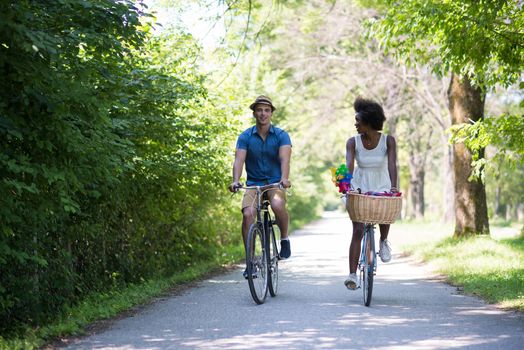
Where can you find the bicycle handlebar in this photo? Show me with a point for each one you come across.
(263, 188)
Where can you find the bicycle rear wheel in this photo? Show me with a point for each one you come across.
(257, 275)
(272, 261)
(367, 268)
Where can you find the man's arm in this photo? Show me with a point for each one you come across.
(238, 165)
(284, 154)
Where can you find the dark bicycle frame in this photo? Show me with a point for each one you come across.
(266, 222)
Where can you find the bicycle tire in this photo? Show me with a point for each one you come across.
(257, 264)
(272, 261)
(368, 272)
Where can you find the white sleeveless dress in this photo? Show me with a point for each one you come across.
(371, 173)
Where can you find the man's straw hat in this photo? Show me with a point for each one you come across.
(264, 100)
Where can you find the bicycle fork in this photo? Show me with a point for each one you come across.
(366, 254)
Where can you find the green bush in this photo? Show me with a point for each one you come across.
(113, 158)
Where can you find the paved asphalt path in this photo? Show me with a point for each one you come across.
(411, 308)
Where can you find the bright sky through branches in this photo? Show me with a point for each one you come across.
(204, 21)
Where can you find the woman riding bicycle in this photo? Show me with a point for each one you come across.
(266, 152)
(376, 156)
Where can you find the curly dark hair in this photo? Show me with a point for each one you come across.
(370, 112)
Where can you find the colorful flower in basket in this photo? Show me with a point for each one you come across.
(341, 178)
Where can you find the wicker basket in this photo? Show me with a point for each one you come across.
(373, 209)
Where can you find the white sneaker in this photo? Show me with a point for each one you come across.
(352, 281)
(385, 251)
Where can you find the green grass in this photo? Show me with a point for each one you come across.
(106, 305)
(489, 268)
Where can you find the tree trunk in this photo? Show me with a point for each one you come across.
(416, 186)
(471, 213)
(497, 207)
(520, 212)
(418, 194)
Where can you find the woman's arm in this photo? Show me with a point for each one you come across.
(350, 154)
(392, 162)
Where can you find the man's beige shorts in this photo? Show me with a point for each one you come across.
(249, 199)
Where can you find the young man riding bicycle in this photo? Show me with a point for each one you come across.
(266, 152)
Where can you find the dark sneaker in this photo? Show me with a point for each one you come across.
(285, 249)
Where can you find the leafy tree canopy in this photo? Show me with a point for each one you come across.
(480, 39)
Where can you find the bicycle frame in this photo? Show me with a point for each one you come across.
(263, 215)
(369, 234)
(262, 206)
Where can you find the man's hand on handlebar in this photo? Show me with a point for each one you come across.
(285, 183)
(235, 186)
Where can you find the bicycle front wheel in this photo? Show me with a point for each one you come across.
(367, 268)
(272, 261)
(257, 275)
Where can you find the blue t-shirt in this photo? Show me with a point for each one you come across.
(262, 161)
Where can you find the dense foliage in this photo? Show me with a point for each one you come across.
(479, 39)
(113, 162)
